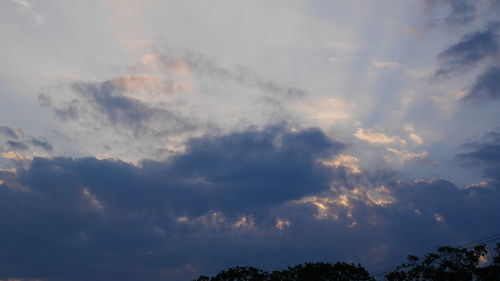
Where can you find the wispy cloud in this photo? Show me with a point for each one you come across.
(9, 132)
(486, 87)
(472, 49)
(27, 8)
(458, 11)
(371, 135)
(184, 59)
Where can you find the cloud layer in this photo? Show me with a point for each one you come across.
(210, 207)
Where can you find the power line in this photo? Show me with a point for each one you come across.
(480, 241)
(484, 240)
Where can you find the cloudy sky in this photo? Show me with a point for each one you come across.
(161, 140)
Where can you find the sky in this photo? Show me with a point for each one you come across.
(161, 140)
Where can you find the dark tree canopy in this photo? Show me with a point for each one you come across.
(307, 272)
(447, 264)
(322, 271)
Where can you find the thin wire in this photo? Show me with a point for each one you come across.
(468, 245)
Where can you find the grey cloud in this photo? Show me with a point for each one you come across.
(44, 100)
(104, 212)
(17, 145)
(459, 11)
(458, 213)
(42, 144)
(68, 112)
(117, 109)
(9, 132)
(243, 75)
(472, 49)
(24, 143)
(462, 11)
(486, 87)
(216, 205)
(485, 155)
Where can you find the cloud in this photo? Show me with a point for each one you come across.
(13, 156)
(107, 99)
(372, 136)
(486, 87)
(485, 154)
(472, 49)
(149, 84)
(17, 145)
(346, 161)
(9, 132)
(398, 155)
(187, 61)
(139, 208)
(42, 144)
(254, 197)
(412, 135)
(324, 111)
(23, 147)
(27, 8)
(391, 65)
(459, 11)
(233, 173)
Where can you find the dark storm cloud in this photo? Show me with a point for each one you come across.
(485, 154)
(217, 205)
(242, 75)
(233, 173)
(109, 102)
(486, 87)
(97, 216)
(17, 145)
(472, 49)
(8, 132)
(42, 144)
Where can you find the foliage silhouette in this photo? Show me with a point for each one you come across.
(307, 272)
(448, 264)
(322, 271)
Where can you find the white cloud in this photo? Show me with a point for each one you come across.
(412, 135)
(398, 155)
(350, 162)
(372, 136)
(386, 64)
(13, 156)
(416, 138)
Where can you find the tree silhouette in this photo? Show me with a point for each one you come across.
(339, 271)
(238, 273)
(307, 272)
(491, 272)
(447, 264)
